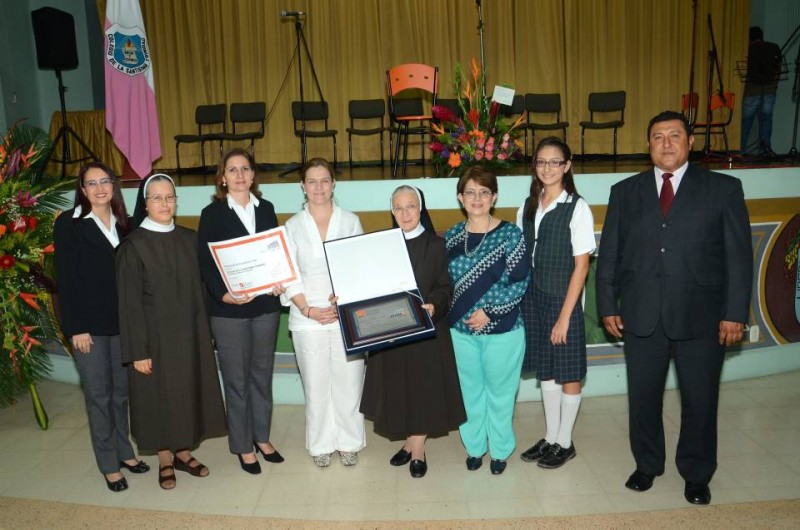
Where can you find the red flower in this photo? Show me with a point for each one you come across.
(436, 147)
(442, 113)
(473, 117)
(32, 222)
(19, 225)
(6, 261)
(494, 109)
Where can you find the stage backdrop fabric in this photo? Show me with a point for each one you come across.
(225, 51)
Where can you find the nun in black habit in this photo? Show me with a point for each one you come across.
(412, 391)
(175, 397)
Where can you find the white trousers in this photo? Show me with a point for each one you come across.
(332, 385)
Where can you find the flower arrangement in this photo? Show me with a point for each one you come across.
(481, 137)
(27, 211)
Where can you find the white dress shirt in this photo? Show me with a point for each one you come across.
(246, 213)
(305, 245)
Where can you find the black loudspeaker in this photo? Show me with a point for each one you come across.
(54, 33)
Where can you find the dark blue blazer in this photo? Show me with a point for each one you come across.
(86, 276)
(219, 222)
(691, 269)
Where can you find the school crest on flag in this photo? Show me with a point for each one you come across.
(127, 50)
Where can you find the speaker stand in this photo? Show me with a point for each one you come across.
(65, 132)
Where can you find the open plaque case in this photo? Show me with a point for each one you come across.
(379, 303)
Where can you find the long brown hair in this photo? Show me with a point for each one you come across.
(221, 192)
(117, 202)
(537, 188)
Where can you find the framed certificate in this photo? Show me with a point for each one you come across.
(384, 318)
(253, 265)
(379, 303)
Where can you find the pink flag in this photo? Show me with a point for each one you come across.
(131, 115)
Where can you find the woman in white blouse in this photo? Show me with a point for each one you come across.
(332, 382)
(86, 238)
(244, 327)
(559, 230)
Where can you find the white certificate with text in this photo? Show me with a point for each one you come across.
(253, 265)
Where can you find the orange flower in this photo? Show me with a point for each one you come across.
(478, 134)
(30, 299)
(454, 161)
(476, 69)
(3, 230)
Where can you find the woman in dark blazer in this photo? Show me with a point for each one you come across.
(244, 328)
(85, 239)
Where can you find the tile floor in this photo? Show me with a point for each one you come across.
(759, 459)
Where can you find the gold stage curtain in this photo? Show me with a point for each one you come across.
(90, 125)
(225, 51)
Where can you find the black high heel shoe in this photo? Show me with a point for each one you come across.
(139, 468)
(254, 468)
(273, 458)
(117, 485)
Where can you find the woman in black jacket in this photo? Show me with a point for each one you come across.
(86, 238)
(244, 328)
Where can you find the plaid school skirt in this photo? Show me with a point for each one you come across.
(562, 362)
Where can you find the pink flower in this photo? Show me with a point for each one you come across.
(25, 199)
(489, 155)
(504, 146)
(502, 156)
(479, 155)
(506, 137)
(481, 143)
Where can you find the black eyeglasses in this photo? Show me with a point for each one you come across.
(541, 164)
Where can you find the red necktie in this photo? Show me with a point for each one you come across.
(666, 194)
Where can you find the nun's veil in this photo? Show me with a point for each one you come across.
(140, 211)
(424, 216)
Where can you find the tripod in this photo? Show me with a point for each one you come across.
(65, 132)
(301, 38)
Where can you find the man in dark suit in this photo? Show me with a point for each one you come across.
(673, 278)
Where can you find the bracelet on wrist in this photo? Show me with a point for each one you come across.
(308, 315)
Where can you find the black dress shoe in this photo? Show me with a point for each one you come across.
(273, 458)
(640, 481)
(117, 485)
(418, 468)
(697, 493)
(254, 468)
(400, 458)
(497, 466)
(557, 456)
(536, 452)
(139, 468)
(474, 462)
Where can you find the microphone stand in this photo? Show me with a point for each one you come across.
(483, 50)
(691, 113)
(301, 39)
(792, 154)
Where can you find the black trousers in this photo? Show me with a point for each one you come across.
(698, 364)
